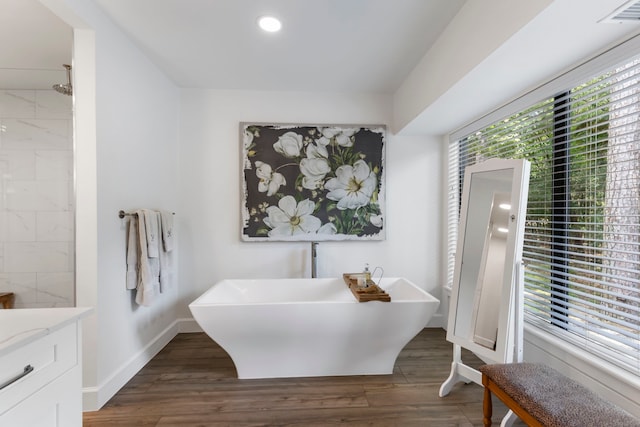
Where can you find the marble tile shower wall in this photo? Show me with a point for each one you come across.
(37, 198)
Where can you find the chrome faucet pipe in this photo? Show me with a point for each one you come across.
(314, 260)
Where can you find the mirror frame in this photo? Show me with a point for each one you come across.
(504, 347)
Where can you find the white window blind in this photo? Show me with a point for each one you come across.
(582, 233)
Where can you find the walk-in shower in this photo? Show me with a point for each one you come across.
(37, 229)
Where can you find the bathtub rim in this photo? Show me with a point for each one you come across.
(386, 282)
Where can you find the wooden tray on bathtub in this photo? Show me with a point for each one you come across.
(363, 294)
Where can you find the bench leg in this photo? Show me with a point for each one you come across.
(487, 408)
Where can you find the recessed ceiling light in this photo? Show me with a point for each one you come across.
(269, 24)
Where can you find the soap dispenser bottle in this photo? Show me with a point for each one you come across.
(367, 274)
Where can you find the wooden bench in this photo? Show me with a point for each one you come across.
(7, 299)
(541, 396)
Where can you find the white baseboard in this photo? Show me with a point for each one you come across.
(436, 321)
(93, 398)
(188, 325)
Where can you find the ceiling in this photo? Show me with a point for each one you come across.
(326, 45)
(355, 46)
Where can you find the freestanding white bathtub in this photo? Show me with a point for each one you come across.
(277, 328)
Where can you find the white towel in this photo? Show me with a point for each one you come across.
(166, 223)
(166, 270)
(166, 263)
(149, 268)
(151, 227)
(132, 252)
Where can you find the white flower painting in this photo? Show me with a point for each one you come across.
(312, 182)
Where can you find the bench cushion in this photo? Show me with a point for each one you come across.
(554, 399)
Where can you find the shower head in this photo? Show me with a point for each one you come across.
(65, 89)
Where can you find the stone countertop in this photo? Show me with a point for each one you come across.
(24, 325)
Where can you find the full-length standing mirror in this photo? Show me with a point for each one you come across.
(482, 317)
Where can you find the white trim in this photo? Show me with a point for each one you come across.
(444, 236)
(93, 398)
(607, 380)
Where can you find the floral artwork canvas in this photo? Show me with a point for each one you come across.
(312, 182)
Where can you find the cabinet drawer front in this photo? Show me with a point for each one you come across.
(50, 357)
(58, 404)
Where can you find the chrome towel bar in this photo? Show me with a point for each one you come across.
(122, 214)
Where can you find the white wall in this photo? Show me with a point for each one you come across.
(134, 162)
(137, 150)
(211, 248)
(134, 165)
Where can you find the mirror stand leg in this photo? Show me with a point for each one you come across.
(459, 373)
(453, 379)
(508, 419)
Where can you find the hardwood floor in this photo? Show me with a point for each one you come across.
(192, 382)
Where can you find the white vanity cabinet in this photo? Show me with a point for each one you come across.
(41, 367)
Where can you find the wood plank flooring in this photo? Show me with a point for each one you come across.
(192, 382)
